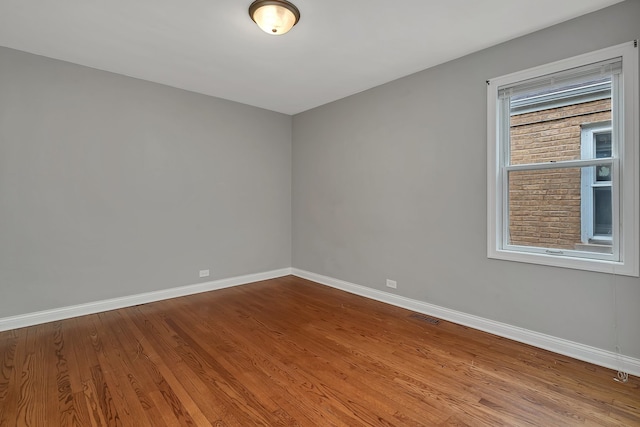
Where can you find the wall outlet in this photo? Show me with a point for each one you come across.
(392, 284)
(204, 273)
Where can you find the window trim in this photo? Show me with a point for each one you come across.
(628, 167)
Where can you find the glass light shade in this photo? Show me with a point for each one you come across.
(274, 17)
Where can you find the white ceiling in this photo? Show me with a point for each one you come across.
(339, 47)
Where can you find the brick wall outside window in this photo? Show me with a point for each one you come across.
(544, 206)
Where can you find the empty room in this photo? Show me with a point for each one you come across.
(319, 213)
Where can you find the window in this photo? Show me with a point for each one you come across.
(562, 163)
(595, 195)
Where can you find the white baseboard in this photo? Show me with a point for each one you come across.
(572, 349)
(39, 317)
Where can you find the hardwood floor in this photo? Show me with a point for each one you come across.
(290, 352)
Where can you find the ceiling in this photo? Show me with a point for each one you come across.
(339, 47)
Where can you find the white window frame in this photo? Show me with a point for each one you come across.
(588, 181)
(625, 259)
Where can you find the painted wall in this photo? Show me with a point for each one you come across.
(112, 186)
(391, 183)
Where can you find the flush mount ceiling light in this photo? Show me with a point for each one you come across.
(274, 17)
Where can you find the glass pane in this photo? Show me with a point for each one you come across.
(603, 144)
(603, 173)
(603, 149)
(546, 125)
(546, 210)
(602, 212)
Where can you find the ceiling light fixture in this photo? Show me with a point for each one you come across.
(274, 17)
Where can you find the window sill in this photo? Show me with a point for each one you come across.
(596, 265)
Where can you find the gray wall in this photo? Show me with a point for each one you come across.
(112, 186)
(391, 183)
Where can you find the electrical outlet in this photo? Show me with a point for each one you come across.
(392, 284)
(204, 273)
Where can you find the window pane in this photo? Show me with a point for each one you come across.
(603, 173)
(602, 212)
(546, 125)
(602, 143)
(545, 210)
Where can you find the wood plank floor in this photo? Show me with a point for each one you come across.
(293, 353)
